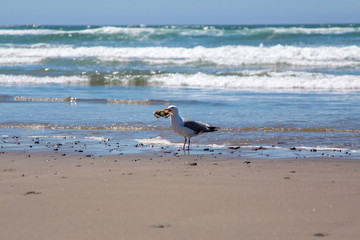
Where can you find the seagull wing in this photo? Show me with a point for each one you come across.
(199, 127)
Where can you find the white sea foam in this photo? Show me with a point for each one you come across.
(183, 30)
(102, 139)
(309, 30)
(116, 30)
(26, 79)
(22, 32)
(223, 56)
(155, 141)
(90, 31)
(242, 80)
(263, 80)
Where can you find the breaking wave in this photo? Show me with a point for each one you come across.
(247, 79)
(214, 30)
(232, 56)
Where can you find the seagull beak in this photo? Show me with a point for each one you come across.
(168, 110)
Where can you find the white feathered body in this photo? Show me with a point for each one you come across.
(177, 124)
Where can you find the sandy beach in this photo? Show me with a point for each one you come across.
(160, 196)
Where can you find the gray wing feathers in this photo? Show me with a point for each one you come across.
(199, 127)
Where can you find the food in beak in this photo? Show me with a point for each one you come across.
(162, 113)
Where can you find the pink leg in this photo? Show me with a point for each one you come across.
(184, 144)
(189, 144)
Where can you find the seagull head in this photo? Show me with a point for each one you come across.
(172, 109)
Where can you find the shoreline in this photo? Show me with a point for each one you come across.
(160, 196)
(102, 146)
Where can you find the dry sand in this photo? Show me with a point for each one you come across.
(49, 196)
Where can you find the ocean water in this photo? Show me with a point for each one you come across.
(93, 88)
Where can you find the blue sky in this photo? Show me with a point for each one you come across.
(121, 12)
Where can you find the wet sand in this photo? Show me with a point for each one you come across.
(160, 196)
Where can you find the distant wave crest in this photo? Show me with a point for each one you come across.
(139, 31)
(256, 79)
(326, 56)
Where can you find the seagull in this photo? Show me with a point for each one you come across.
(187, 128)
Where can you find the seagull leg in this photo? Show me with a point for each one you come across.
(184, 144)
(189, 145)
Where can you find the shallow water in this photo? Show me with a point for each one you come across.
(271, 86)
(309, 120)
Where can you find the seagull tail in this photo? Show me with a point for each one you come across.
(213, 129)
